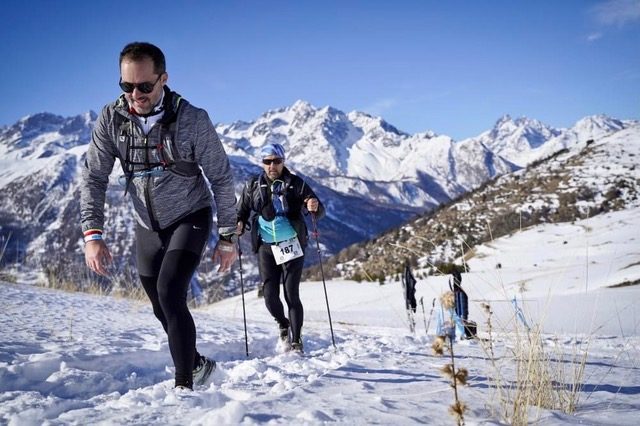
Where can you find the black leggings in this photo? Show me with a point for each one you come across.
(271, 274)
(167, 259)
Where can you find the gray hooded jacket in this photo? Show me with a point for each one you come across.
(159, 199)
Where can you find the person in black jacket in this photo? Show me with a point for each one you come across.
(460, 296)
(409, 285)
(272, 206)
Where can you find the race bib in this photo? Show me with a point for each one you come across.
(285, 251)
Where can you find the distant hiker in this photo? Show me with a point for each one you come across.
(272, 207)
(460, 296)
(409, 286)
(168, 150)
(462, 304)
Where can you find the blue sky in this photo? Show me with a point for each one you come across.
(453, 67)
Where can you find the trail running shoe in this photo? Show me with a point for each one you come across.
(297, 347)
(203, 370)
(284, 335)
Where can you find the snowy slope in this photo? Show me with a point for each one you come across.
(103, 360)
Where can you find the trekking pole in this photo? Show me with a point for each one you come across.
(244, 314)
(424, 315)
(324, 285)
(433, 304)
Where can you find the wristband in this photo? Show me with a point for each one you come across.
(92, 237)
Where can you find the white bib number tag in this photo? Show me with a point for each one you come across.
(285, 251)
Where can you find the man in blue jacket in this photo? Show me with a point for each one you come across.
(273, 205)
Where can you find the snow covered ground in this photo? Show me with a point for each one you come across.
(69, 358)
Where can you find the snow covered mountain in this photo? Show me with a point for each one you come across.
(371, 176)
(357, 154)
(523, 141)
(516, 139)
(39, 160)
(589, 178)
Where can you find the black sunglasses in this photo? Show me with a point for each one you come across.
(145, 87)
(269, 161)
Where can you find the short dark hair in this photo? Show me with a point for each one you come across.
(139, 50)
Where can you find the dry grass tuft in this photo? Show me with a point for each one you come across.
(545, 376)
(448, 300)
(457, 410)
(461, 376)
(438, 345)
(447, 370)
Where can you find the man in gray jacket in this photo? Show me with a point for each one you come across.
(166, 148)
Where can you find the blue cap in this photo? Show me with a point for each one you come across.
(273, 149)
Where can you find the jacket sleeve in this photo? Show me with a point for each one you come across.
(98, 165)
(213, 159)
(244, 206)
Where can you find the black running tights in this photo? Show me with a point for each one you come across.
(290, 273)
(167, 260)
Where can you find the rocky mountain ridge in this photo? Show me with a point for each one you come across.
(590, 178)
(371, 176)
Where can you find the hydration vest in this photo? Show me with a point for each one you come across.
(153, 159)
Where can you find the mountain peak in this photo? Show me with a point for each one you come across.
(370, 122)
(515, 139)
(31, 125)
(43, 129)
(508, 122)
(599, 122)
(39, 120)
(504, 125)
(505, 119)
(302, 105)
(299, 108)
(79, 124)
